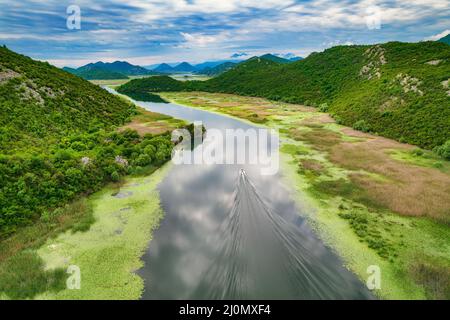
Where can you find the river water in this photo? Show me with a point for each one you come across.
(233, 234)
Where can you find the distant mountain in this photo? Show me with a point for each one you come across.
(217, 70)
(95, 73)
(282, 58)
(107, 71)
(168, 67)
(212, 64)
(164, 68)
(184, 67)
(122, 67)
(445, 39)
(288, 56)
(156, 65)
(274, 58)
(239, 55)
(70, 70)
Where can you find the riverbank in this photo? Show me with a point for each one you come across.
(374, 200)
(107, 252)
(110, 252)
(23, 272)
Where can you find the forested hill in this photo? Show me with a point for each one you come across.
(399, 90)
(445, 39)
(40, 103)
(96, 73)
(58, 141)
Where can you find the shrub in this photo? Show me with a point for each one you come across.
(150, 150)
(324, 107)
(143, 160)
(417, 152)
(444, 150)
(361, 125)
(115, 176)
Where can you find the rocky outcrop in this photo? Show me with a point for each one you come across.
(376, 58)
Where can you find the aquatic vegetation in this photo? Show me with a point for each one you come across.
(110, 251)
(368, 197)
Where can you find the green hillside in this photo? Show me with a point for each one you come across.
(121, 67)
(218, 70)
(274, 58)
(398, 90)
(445, 39)
(96, 73)
(41, 103)
(151, 84)
(59, 140)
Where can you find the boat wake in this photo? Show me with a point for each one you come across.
(263, 256)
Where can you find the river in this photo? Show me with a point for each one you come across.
(227, 234)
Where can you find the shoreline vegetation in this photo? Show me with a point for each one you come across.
(62, 139)
(373, 200)
(109, 253)
(35, 258)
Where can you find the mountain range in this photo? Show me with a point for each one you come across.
(122, 69)
(95, 73)
(398, 90)
(105, 70)
(213, 68)
(218, 69)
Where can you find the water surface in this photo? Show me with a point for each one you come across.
(227, 235)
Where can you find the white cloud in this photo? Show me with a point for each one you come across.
(438, 36)
(328, 14)
(169, 29)
(199, 40)
(159, 9)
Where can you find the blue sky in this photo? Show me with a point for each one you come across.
(154, 31)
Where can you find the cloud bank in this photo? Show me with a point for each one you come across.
(147, 32)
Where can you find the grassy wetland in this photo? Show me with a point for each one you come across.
(109, 253)
(374, 200)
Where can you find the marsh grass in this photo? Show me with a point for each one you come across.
(434, 278)
(76, 216)
(346, 189)
(22, 271)
(421, 158)
(23, 276)
(294, 150)
(368, 229)
(312, 168)
(148, 122)
(408, 189)
(319, 138)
